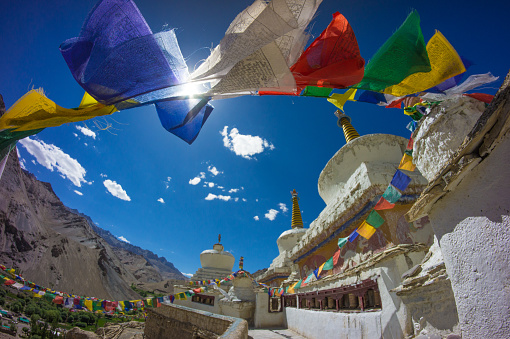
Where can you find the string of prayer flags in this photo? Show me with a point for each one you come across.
(400, 180)
(383, 204)
(444, 61)
(403, 54)
(339, 100)
(391, 194)
(331, 60)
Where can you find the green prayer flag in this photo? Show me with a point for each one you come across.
(298, 285)
(403, 54)
(49, 296)
(328, 265)
(8, 139)
(313, 91)
(391, 194)
(97, 305)
(374, 219)
(342, 242)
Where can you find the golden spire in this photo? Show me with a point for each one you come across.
(344, 121)
(297, 221)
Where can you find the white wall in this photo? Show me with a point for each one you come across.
(264, 319)
(472, 224)
(321, 324)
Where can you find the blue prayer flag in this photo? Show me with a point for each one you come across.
(400, 180)
(353, 236)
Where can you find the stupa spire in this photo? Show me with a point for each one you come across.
(344, 121)
(297, 221)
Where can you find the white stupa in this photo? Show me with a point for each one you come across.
(216, 263)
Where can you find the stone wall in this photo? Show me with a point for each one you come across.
(265, 319)
(179, 322)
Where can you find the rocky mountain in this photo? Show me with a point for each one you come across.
(57, 247)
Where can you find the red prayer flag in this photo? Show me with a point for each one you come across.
(332, 60)
(336, 256)
(383, 204)
(487, 98)
(410, 144)
(396, 103)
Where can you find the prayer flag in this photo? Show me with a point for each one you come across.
(342, 242)
(88, 305)
(353, 236)
(383, 204)
(365, 230)
(391, 194)
(339, 100)
(400, 180)
(407, 163)
(328, 265)
(291, 289)
(318, 271)
(184, 118)
(320, 92)
(37, 295)
(374, 219)
(403, 54)
(487, 98)
(298, 285)
(336, 256)
(444, 61)
(331, 60)
(372, 98)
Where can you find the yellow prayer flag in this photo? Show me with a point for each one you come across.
(365, 230)
(320, 269)
(291, 289)
(37, 295)
(444, 61)
(34, 111)
(407, 163)
(339, 100)
(88, 305)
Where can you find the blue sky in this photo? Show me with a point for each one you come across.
(138, 181)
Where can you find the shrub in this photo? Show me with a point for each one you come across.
(81, 324)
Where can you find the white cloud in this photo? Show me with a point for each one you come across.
(271, 214)
(243, 144)
(213, 170)
(236, 199)
(283, 207)
(167, 182)
(202, 175)
(121, 238)
(86, 131)
(219, 197)
(116, 190)
(52, 157)
(194, 181)
(244, 199)
(76, 135)
(78, 192)
(188, 274)
(257, 200)
(233, 190)
(211, 184)
(85, 144)
(220, 187)
(103, 175)
(161, 200)
(256, 217)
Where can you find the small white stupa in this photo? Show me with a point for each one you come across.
(216, 263)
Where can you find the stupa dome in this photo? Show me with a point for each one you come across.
(217, 258)
(289, 238)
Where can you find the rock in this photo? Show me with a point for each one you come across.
(78, 333)
(411, 272)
